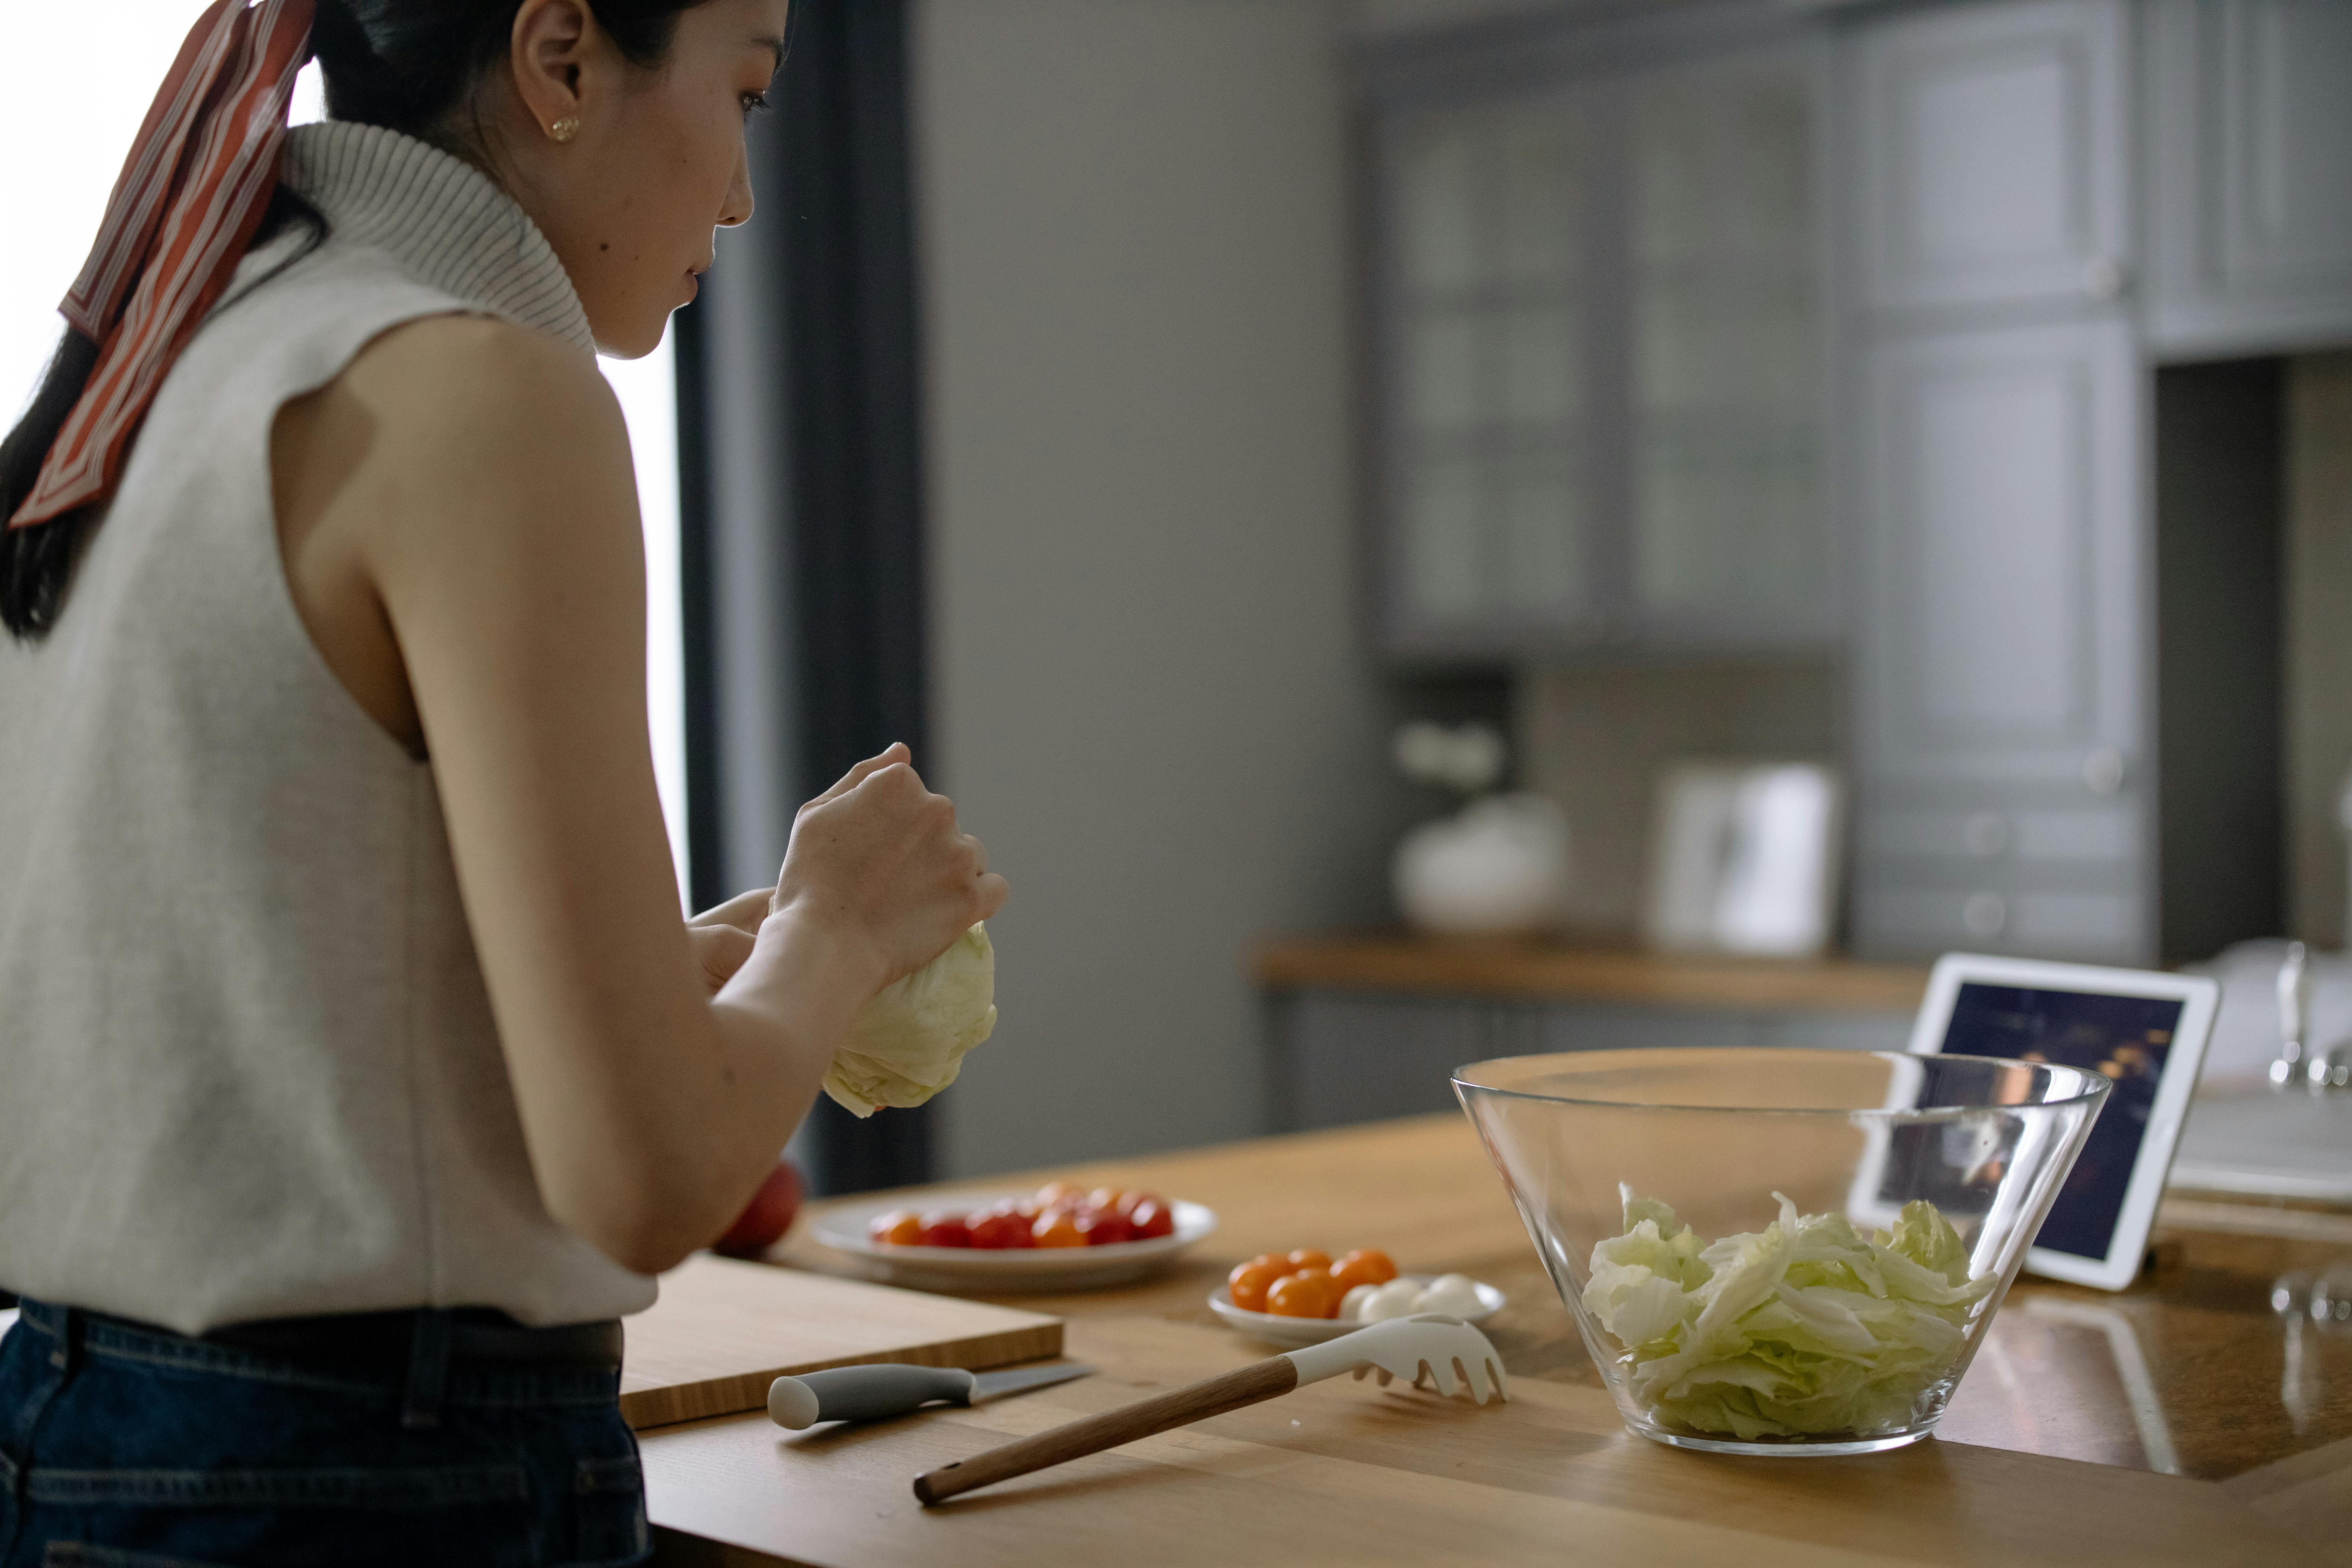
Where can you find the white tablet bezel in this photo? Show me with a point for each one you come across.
(2199, 996)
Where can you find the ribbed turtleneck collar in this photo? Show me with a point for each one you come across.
(440, 218)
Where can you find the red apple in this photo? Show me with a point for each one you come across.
(770, 1214)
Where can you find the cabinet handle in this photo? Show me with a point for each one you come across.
(2102, 771)
(2103, 277)
(1985, 914)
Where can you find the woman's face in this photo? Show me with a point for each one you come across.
(629, 202)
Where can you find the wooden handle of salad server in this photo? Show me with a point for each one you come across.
(1179, 1407)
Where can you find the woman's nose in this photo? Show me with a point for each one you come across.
(737, 209)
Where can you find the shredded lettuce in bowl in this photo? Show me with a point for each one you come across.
(1802, 1329)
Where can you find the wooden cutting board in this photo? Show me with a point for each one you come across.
(723, 1331)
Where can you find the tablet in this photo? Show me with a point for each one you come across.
(2145, 1032)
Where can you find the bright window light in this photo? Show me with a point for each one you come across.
(75, 81)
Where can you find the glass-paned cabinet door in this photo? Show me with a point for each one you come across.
(1488, 230)
(1727, 489)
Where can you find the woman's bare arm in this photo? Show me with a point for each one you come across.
(477, 494)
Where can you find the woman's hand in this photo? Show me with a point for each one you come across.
(744, 911)
(878, 861)
(719, 950)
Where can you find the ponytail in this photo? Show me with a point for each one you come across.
(410, 65)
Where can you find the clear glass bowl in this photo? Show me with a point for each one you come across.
(1722, 1326)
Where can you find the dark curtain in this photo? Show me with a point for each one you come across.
(800, 460)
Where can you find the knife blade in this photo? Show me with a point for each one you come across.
(874, 1393)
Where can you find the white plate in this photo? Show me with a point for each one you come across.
(1006, 1268)
(1293, 1332)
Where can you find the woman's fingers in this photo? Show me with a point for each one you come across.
(895, 753)
(720, 951)
(993, 891)
(744, 911)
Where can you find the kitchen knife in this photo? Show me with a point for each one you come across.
(871, 1392)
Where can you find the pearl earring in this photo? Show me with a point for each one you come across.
(565, 129)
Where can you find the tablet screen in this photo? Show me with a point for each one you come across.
(2125, 1039)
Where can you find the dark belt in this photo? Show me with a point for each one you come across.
(476, 1336)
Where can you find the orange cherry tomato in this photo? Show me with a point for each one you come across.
(1273, 1260)
(1300, 1296)
(1058, 1227)
(1249, 1283)
(1365, 1266)
(899, 1227)
(1310, 1257)
(1054, 1193)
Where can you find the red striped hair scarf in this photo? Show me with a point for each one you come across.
(190, 197)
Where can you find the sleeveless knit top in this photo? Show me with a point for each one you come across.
(247, 1064)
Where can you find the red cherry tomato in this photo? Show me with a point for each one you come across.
(1365, 1266)
(899, 1227)
(1152, 1218)
(1054, 1193)
(1136, 1198)
(1104, 1227)
(1249, 1283)
(946, 1230)
(1000, 1228)
(1104, 1198)
(1057, 1227)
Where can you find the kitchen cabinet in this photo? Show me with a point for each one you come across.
(2003, 789)
(2249, 104)
(2004, 639)
(1598, 299)
(1340, 1057)
(1992, 145)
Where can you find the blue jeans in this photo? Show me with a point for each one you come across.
(126, 1447)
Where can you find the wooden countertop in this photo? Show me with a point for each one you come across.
(2057, 1449)
(1530, 970)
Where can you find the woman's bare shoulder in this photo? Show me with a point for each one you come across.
(478, 382)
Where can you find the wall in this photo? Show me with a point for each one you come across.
(1150, 695)
(1594, 738)
(2319, 639)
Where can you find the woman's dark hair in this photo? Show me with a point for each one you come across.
(411, 65)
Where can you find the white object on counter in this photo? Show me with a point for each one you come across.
(2248, 1027)
(1499, 867)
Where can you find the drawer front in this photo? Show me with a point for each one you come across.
(1915, 922)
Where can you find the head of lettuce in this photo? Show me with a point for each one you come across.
(908, 1042)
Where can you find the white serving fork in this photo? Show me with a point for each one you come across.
(1451, 1354)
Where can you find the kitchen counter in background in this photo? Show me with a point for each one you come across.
(1363, 1027)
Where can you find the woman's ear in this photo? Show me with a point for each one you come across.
(549, 51)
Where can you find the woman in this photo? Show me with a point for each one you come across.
(359, 1070)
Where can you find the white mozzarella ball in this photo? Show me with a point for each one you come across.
(1351, 1305)
(1393, 1299)
(1455, 1301)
